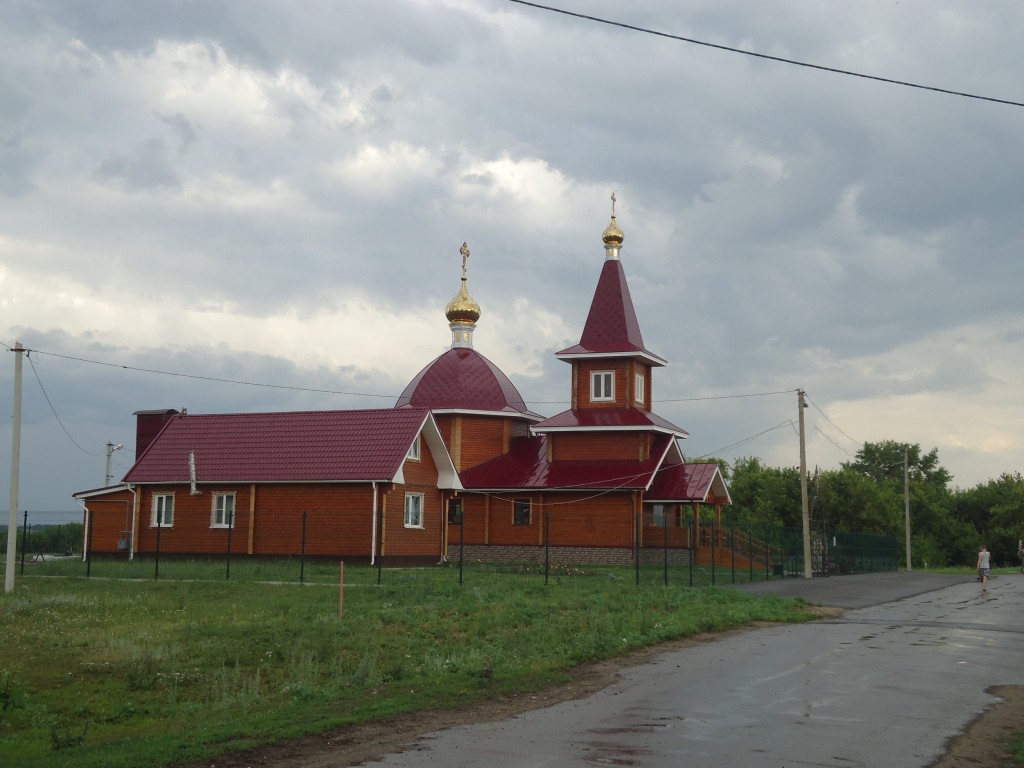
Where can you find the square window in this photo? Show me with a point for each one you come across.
(414, 510)
(163, 511)
(223, 515)
(602, 385)
(521, 512)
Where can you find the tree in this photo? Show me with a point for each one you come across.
(765, 495)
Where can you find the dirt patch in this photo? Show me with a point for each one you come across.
(985, 742)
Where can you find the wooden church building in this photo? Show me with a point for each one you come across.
(459, 464)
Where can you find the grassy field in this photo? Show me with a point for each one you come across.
(127, 671)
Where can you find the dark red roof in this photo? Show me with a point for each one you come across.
(463, 379)
(611, 327)
(307, 446)
(609, 418)
(526, 467)
(687, 482)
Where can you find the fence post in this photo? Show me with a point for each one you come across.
(88, 541)
(714, 547)
(691, 530)
(750, 552)
(767, 551)
(664, 525)
(732, 549)
(547, 546)
(341, 588)
(231, 524)
(156, 561)
(462, 541)
(302, 550)
(24, 540)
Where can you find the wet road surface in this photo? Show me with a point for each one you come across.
(904, 669)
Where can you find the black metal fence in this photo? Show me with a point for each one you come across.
(707, 554)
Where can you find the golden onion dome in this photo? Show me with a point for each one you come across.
(462, 309)
(612, 235)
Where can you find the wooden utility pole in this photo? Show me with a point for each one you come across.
(12, 516)
(808, 571)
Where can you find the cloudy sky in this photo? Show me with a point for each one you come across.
(276, 193)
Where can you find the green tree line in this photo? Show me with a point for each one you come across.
(867, 495)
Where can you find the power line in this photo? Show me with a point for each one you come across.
(54, 410)
(726, 397)
(826, 418)
(744, 441)
(207, 378)
(780, 59)
(241, 382)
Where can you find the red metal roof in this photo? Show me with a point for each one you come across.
(526, 467)
(611, 327)
(306, 446)
(688, 482)
(609, 418)
(463, 379)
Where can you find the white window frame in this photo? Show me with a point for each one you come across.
(413, 510)
(658, 513)
(602, 386)
(218, 510)
(161, 502)
(414, 450)
(640, 385)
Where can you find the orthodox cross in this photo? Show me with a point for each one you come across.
(464, 250)
(613, 205)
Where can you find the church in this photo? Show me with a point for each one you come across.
(459, 466)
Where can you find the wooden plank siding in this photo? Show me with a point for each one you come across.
(268, 518)
(598, 446)
(576, 520)
(625, 371)
(472, 439)
(111, 519)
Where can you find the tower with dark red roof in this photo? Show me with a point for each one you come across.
(477, 407)
(611, 369)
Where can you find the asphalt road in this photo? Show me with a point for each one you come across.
(886, 684)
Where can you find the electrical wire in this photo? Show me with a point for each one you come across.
(54, 410)
(208, 378)
(779, 59)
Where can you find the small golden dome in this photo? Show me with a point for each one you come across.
(462, 309)
(612, 235)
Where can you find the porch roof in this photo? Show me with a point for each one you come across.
(527, 467)
(689, 483)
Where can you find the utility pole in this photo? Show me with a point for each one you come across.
(906, 501)
(808, 572)
(12, 516)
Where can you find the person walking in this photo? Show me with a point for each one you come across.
(984, 561)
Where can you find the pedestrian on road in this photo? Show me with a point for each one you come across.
(984, 559)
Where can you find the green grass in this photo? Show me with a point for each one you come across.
(105, 672)
(1017, 748)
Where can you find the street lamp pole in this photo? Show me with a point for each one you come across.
(107, 477)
